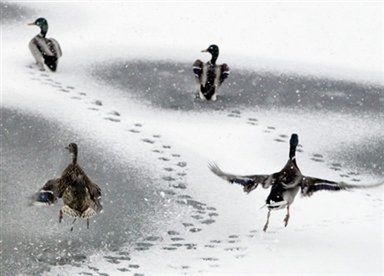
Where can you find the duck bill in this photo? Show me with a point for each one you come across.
(204, 51)
(31, 24)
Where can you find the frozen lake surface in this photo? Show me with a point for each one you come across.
(146, 141)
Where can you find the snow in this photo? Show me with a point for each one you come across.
(328, 233)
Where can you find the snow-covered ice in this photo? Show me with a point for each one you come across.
(124, 92)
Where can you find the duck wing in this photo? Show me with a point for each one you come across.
(224, 72)
(49, 193)
(54, 47)
(249, 182)
(197, 67)
(95, 193)
(310, 185)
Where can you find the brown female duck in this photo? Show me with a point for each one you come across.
(80, 195)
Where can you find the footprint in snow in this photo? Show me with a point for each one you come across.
(75, 98)
(210, 259)
(234, 115)
(181, 164)
(195, 230)
(168, 178)
(169, 248)
(138, 125)
(134, 130)
(93, 108)
(153, 238)
(180, 186)
(114, 113)
(173, 233)
(98, 102)
(112, 119)
(236, 248)
(208, 221)
(317, 159)
(70, 87)
(163, 159)
(149, 141)
(279, 140)
(166, 147)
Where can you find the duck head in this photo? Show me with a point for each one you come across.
(214, 51)
(42, 23)
(72, 148)
(293, 142)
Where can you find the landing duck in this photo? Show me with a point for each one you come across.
(80, 195)
(209, 75)
(285, 184)
(45, 50)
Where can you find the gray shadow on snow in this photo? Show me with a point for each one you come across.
(32, 152)
(171, 85)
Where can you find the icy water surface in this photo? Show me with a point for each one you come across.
(32, 239)
(171, 85)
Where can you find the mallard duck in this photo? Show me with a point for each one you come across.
(45, 50)
(210, 75)
(285, 184)
(80, 195)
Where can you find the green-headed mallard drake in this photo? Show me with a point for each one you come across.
(80, 195)
(286, 183)
(45, 50)
(210, 75)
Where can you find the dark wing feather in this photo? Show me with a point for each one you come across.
(249, 182)
(95, 193)
(309, 185)
(198, 68)
(49, 193)
(224, 72)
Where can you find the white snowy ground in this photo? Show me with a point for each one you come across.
(328, 233)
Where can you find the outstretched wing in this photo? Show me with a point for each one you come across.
(198, 68)
(249, 182)
(49, 193)
(95, 193)
(224, 72)
(309, 185)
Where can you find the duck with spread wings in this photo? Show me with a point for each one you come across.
(285, 184)
(80, 195)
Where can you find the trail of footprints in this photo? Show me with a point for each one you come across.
(284, 138)
(174, 174)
